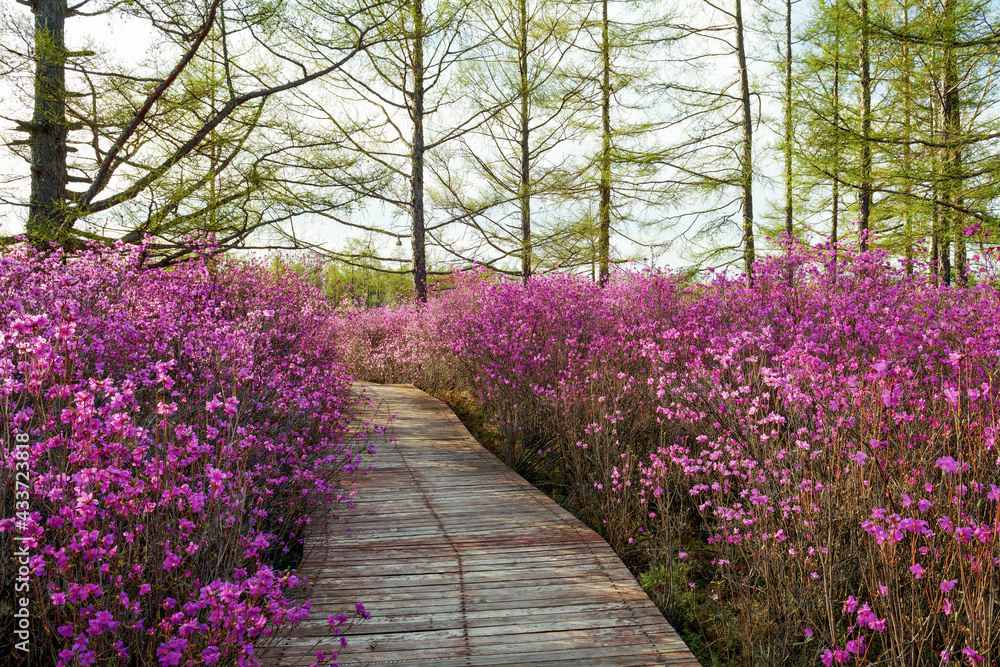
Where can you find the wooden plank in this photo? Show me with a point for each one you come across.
(462, 562)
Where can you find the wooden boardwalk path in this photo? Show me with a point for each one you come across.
(462, 562)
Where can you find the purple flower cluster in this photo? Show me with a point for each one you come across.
(831, 428)
(182, 425)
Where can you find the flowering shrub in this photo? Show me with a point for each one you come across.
(177, 427)
(823, 440)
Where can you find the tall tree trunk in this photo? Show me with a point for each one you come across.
(941, 245)
(48, 128)
(746, 160)
(865, 198)
(604, 240)
(907, 74)
(935, 250)
(788, 117)
(951, 124)
(958, 223)
(835, 195)
(417, 157)
(524, 189)
(945, 248)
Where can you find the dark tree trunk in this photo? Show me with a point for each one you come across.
(48, 128)
(524, 189)
(935, 263)
(604, 238)
(951, 123)
(907, 135)
(935, 250)
(788, 117)
(417, 158)
(865, 197)
(835, 195)
(746, 161)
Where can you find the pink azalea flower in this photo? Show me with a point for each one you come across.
(948, 464)
(171, 561)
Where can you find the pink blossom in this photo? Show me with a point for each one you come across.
(166, 409)
(856, 646)
(971, 656)
(171, 561)
(948, 464)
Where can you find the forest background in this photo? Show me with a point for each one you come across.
(522, 135)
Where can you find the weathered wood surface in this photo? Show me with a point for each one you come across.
(462, 562)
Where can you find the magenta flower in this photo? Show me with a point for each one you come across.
(166, 409)
(837, 655)
(948, 464)
(171, 561)
(971, 656)
(210, 656)
(171, 652)
(856, 646)
(951, 395)
(215, 476)
(102, 621)
(917, 570)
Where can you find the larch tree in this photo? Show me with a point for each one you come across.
(788, 126)
(142, 138)
(822, 90)
(746, 154)
(630, 171)
(716, 157)
(865, 92)
(940, 59)
(405, 93)
(518, 159)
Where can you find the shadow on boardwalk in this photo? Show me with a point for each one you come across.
(462, 562)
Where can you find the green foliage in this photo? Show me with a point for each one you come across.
(358, 276)
(365, 284)
(933, 173)
(695, 612)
